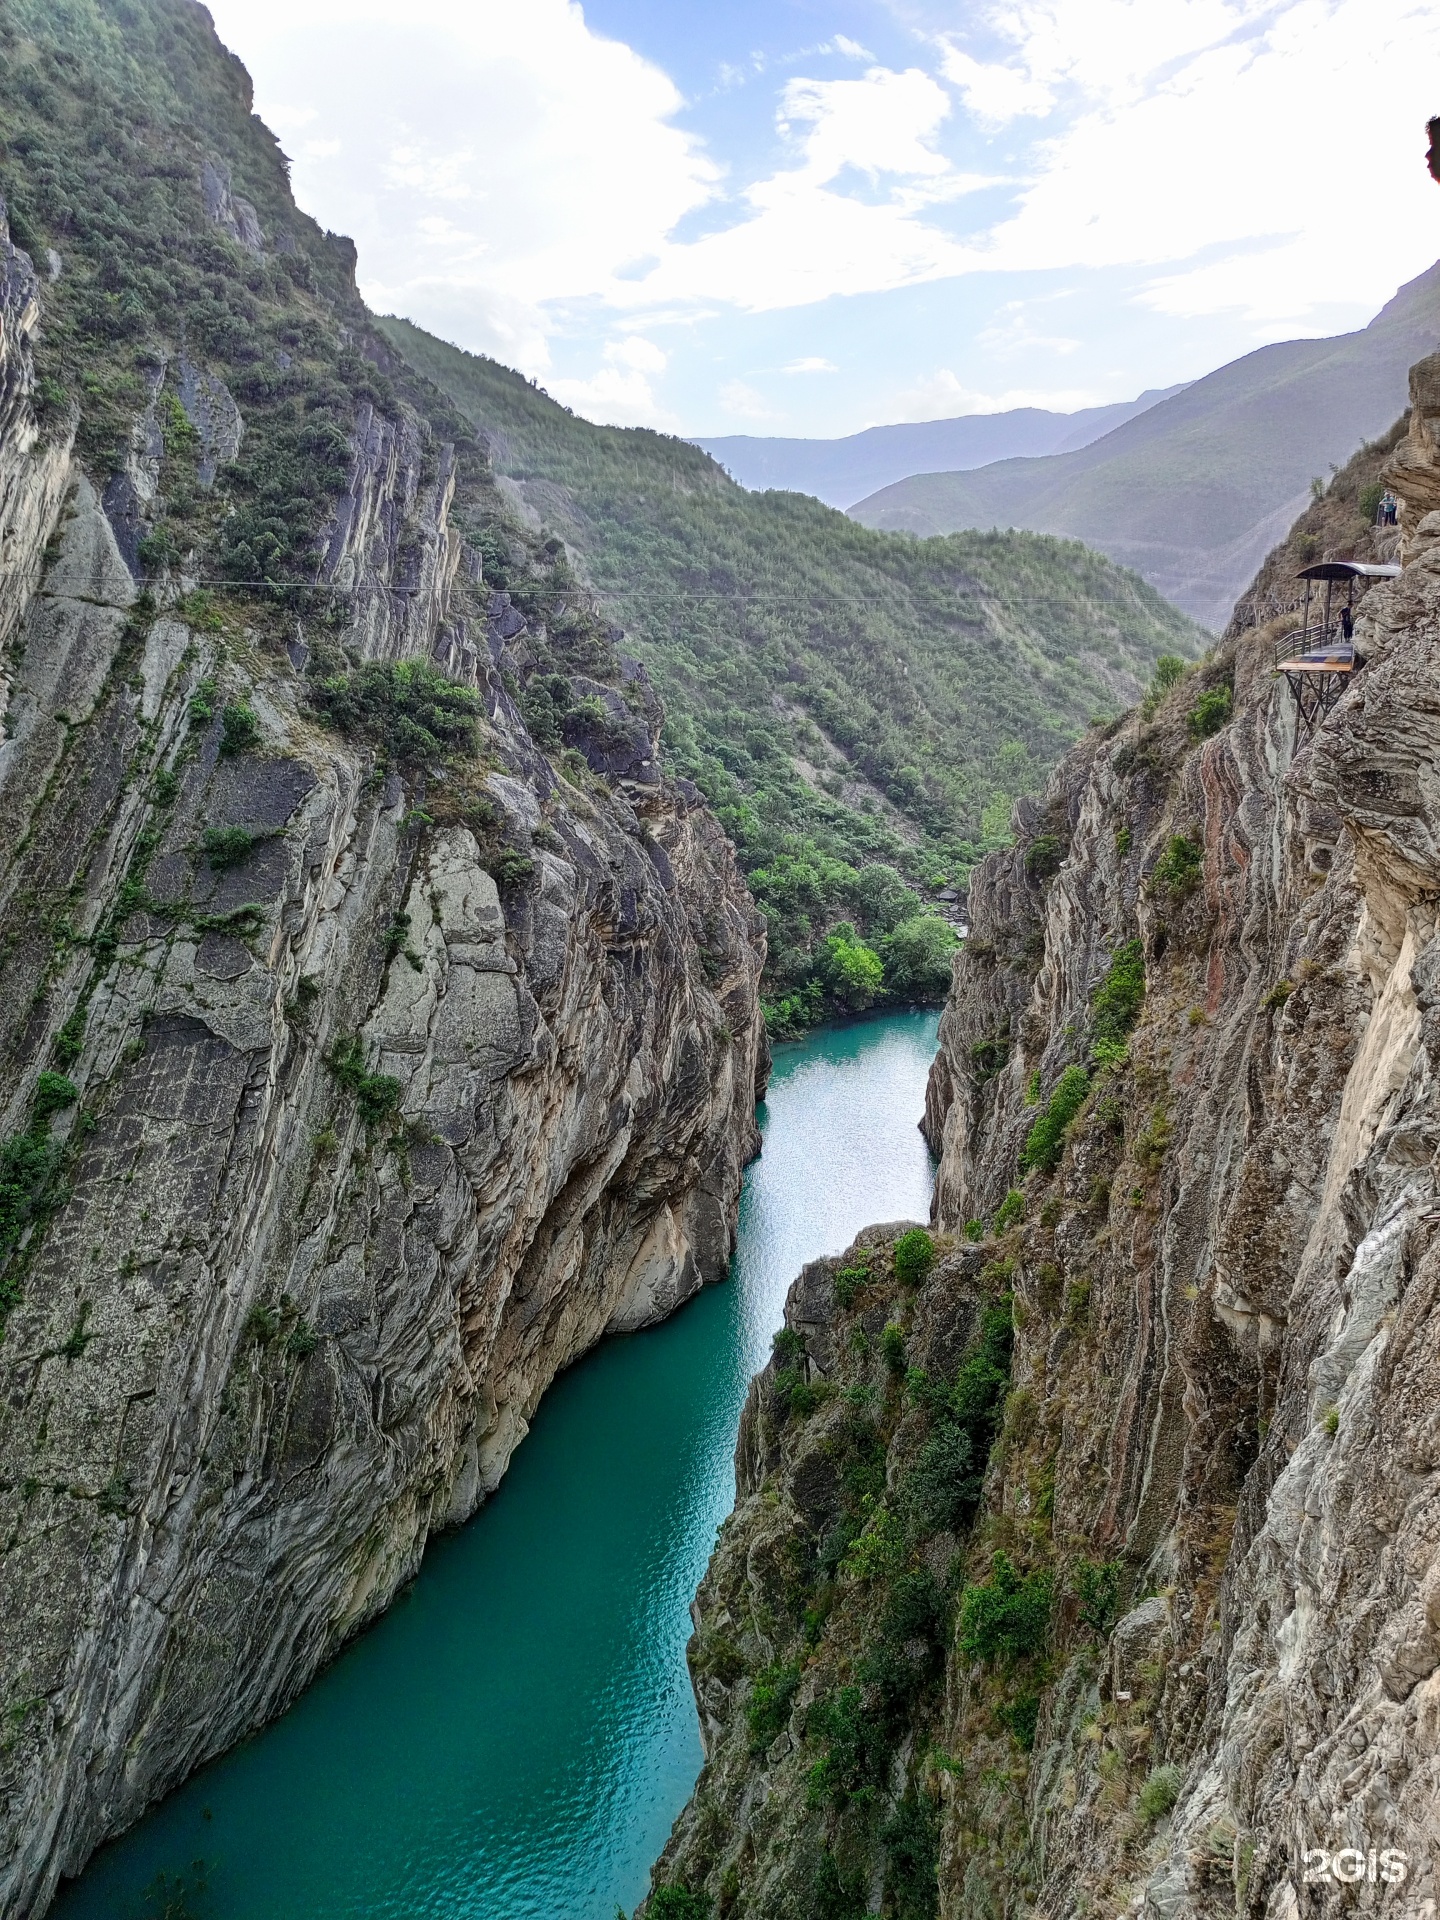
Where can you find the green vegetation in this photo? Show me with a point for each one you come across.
(914, 1257)
(1159, 1794)
(32, 1182)
(846, 701)
(1006, 1617)
(848, 1283)
(1097, 1591)
(1116, 1003)
(1045, 1142)
(226, 847)
(1021, 1716)
(941, 1491)
(1177, 871)
(1011, 1211)
(239, 728)
(411, 711)
(911, 1838)
(768, 1709)
(377, 1095)
(679, 1901)
(1210, 713)
(1043, 857)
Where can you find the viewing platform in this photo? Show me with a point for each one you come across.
(1318, 659)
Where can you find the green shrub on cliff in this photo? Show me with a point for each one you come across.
(1006, 1617)
(1097, 1592)
(911, 1838)
(914, 1256)
(679, 1901)
(1159, 1793)
(1045, 1142)
(1209, 713)
(1116, 1004)
(377, 1095)
(772, 1693)
(410, 711)
(1177, 871)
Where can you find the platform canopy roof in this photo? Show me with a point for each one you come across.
(1350, 570)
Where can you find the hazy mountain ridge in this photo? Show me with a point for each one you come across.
(845, 470)
(1194, 492)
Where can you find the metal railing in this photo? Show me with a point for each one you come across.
(1318, 637)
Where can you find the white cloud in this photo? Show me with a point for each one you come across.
(509, 174)
(736, 398)
(943, 396)
(550, 151)
(620, 394)
(883, 123)
(1204, 126)
(996, 95)
(811, 363)
(806, 238)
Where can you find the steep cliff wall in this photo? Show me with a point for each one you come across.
(1186, 1116)
(364, 1066)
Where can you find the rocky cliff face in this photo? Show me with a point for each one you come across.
(365, 1065)
(1186, 1116)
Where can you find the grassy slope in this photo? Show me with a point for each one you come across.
(924, 682)
(1194, 474)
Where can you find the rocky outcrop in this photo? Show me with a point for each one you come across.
(391, 551)
(34, 468)
(1186, 1116)
(1414, 469)
(356, 1087)
(1245, 1203)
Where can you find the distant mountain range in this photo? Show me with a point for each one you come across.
(843, 471)
(1194, 491)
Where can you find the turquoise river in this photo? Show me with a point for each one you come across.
(513, 1740)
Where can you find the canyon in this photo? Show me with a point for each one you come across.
(1173, 1653)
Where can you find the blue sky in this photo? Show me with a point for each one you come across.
(811, 216)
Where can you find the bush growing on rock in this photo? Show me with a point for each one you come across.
(1118, 998)
(771, 1693)
(1045, 1142)
(1159, 1794)
(679, 1901)
(1007, 1616)
(410, 710)
(1011, 1210)
(1177, 871)
(1097, 1589)
(914, 1257)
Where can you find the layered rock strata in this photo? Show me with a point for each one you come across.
(352, 1096)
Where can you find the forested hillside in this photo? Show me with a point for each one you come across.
(841, 697)
(860, 709)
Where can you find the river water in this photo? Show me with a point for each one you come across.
(514, 1739)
